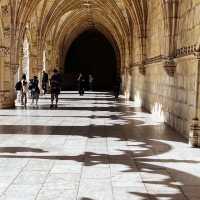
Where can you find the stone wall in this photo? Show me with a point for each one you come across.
(170, 98)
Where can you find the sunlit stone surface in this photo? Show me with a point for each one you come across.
(93, 148)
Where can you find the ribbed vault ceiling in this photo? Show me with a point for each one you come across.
(61, 21)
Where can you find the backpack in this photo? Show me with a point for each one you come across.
(18, 85)
(34, 86)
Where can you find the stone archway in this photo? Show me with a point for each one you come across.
(92, 53)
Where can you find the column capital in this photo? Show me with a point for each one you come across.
(170, 66)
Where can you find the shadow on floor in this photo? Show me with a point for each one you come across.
(20, 149)
(142, 154)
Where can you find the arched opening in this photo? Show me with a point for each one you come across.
(91, 53)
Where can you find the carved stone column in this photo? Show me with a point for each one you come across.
(194, 135)
(14, 69)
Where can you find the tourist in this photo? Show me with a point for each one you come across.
(45, 82)
(55, 87)
(117, 86)
(24, 91)
(18, 88)
(35, 91)
(81, 81)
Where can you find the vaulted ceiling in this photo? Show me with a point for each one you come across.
(59, 22)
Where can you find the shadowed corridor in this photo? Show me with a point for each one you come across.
(91, 53)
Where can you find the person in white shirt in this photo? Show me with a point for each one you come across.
(24, 92)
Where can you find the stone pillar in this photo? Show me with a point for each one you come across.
(32, 65)
(39, 74)
(194, 135)
(14, 70)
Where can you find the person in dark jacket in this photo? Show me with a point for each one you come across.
(55, 87)
(45, 82)
(35, 91)
(117, 86)
(81, 81)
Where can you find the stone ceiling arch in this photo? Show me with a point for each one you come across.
(50, 11)
(70, 30)
(68, 40)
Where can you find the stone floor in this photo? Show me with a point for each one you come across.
(93, 148)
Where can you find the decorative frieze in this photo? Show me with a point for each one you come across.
(186, 51)
(168, 63)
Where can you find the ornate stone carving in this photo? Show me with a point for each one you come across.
(170, 66)
(5, 10)
(194, 136)
(187, 50)
(4, 51)
(14, 68)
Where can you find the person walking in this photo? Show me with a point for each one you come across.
(24, 91)
(55, 87)
(35, 91)
(81, 81)
(18, 88)
(45, 82)
(117, 86)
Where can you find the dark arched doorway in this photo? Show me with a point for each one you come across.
(91, 53)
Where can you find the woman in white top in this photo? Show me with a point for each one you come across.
(24, 92)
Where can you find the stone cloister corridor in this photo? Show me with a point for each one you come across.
(145, 145)
(93, 148)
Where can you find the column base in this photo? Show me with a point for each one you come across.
(194, 135)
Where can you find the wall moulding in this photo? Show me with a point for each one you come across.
(169, 63)
(186, 51)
